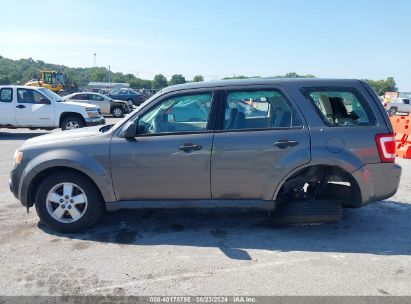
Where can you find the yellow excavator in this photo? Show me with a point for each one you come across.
(51, 80)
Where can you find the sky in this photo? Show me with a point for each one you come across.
(366, 39)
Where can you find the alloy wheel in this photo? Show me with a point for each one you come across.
(72, 125)
(66, 202)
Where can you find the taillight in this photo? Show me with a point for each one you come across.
(386, 147)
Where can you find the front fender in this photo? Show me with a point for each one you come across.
(98, 171)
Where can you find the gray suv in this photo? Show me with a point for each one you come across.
(261, 143)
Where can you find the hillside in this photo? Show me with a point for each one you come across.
(23, 70)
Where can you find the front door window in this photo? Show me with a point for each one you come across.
(186, 113)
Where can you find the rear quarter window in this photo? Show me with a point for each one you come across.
(341, 106)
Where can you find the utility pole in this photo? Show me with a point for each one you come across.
(95, 59)
(109, 77)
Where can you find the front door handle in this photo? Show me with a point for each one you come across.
(20, 106)
(284, 143)
(187, 148)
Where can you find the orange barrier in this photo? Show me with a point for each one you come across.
(402, 129)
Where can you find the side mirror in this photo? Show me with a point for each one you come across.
(45, 101)
(129, 130)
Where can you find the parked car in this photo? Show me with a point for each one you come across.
(40, 108)
(399, 105)
(108, 106)
(311, 141)
(127, 94)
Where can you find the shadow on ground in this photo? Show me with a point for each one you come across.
(382, 228)
(19, 136)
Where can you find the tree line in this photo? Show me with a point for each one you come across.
(22, 70)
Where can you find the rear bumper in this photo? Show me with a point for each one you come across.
(378, 181)
(95, 121)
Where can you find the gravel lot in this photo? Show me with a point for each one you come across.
(205, 252)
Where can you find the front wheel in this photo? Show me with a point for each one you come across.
(72, 122)
(68, 202)
(118, 112)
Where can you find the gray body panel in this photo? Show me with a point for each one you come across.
(153, 167)
(235, 165)
(246, 165)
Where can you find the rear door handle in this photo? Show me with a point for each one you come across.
(187, 148)
(20, 106)
(284, 143)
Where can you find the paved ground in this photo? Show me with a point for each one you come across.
(225, 252)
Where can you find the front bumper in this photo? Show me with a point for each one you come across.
(95, 121)
(378, 181)
(14, 181)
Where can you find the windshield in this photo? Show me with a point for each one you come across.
(53, 96)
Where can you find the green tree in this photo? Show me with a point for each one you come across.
(159, 82)
(138, 83)
(236, 77)
(4, 79)
(198, 78)
(295, 75)
(177, 79)
(382, 86)
(100, 74)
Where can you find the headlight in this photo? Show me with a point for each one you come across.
(18, 157)
(93, 114)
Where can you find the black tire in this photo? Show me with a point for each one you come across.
(393, 110)
(74, 120)
(117, 111)
(308, 212)
(94, 202)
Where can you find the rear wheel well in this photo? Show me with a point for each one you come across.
(321, 182)
(68, 114)
(35, 183)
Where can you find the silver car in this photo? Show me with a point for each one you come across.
(399, 106)
(108, 106)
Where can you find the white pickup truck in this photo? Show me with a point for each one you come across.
(40, 108)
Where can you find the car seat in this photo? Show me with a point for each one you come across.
(326, 107)
(239, 122)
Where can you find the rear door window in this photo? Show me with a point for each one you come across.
(265, 109)
(6, 95)
(341, 106)
(95, 97)
(79, 97)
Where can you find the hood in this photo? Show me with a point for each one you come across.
(79, 104)
(59, 136)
